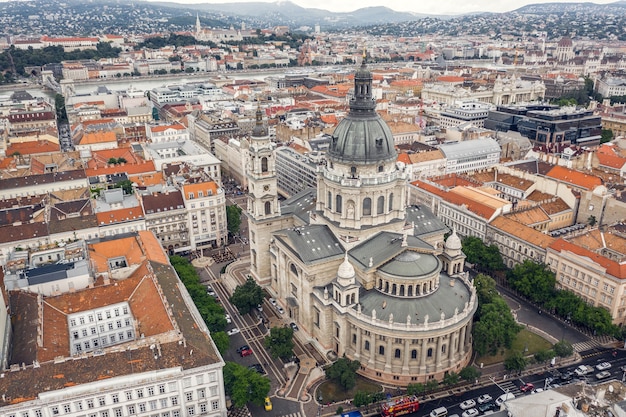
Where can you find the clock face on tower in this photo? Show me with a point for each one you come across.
(266, 188)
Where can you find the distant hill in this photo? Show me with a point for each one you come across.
(583, 7)
(288, 13)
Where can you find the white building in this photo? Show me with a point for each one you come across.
(470, 155)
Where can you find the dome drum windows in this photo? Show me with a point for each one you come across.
(408, 289)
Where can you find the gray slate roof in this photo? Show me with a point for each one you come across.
(382, 248)
(425, 221)
(311, 243)
(300, 204)
(445, 300)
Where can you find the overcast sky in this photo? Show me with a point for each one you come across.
(418, 6)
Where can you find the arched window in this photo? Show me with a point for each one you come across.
(264, 164)
(414, 354)
(329, 201)
(268, 207)
(381, 205)
(396, 354)
(443, 348)
(381, 350)
(429, 353)
(380, 168)
(293, 269)
(353, 172)
(391, 202)
(367, 345)
(338, 204)
(367, 206)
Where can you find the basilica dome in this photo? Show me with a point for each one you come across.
(362, 137)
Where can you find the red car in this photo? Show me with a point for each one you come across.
(246, 352)
(527, 387)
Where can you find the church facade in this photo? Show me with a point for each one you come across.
(361, 273)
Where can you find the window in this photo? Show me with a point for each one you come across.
(330, 201)
(213, 391)
(430, 352)
(189, 396)
(152, 404)
(101, 401)
(268, 208)
(367, 206)
(117, 412)
(203, 408)
(201, 393)
(215, 405)
(381, 350)
(55, 411)
(161, 389)
(131, 409)
(174, 400)
(142, 407)
(391, 202)
(150, 391)
(89, 403)
(67, 408)
(397, 353)
(380, 205)
(264, 164)
(38, 413)
(367, 345)
(140, 393)
(338, 204)
(163, 402)
(115, 398)
(414, 354)
(191, 410)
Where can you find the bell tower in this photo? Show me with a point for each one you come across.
(263, 204)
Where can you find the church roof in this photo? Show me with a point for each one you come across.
(424, 220)
(311, 243)
(383, 247)
(300, 204)
(446, 299)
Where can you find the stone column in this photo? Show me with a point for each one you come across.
(406, 356)
(357, 348)
(422, 363)
(388, 355)
(438, 354)
(462, 340)
(373, 351)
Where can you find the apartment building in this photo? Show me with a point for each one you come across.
(166, 217)
(114, 348)
(206, 210)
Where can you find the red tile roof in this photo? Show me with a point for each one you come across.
(570, 176)
(475, 207)
(33, 147)
(612, 267)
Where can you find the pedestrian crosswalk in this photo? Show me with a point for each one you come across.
(509, 386)
(292, 415)
(586, 345)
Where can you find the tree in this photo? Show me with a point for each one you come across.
(563, 348)
(247, 296)
(606, 135)
(495, 328)
(431, 385)
(485, 289)
(280, 342)
(485, 257)
(544, 355)
(126, 185)
(222, 341)
(243, 385)
(233, 218)
(533, 280)
(592, 220)
(361, 399)
(415, 389)
(343, 371)
(451, 378)
(59, 104)
(515, 362)
(469, 373)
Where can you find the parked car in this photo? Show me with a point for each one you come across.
(258, 368)
(484, 407)
(245, 352)
(472, 412)
(228, 319)
(527, 387)
(467, 404)
(536, 390)
(603, 366)
(504, 397)
(244, 347)
(485, 398)
(272, 301)
(280, 309)
(603, 374)
(232, 331)
(294, 326)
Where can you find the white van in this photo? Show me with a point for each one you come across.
(439, 412)
(503, 398)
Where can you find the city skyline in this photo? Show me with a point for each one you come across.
(443, 7)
